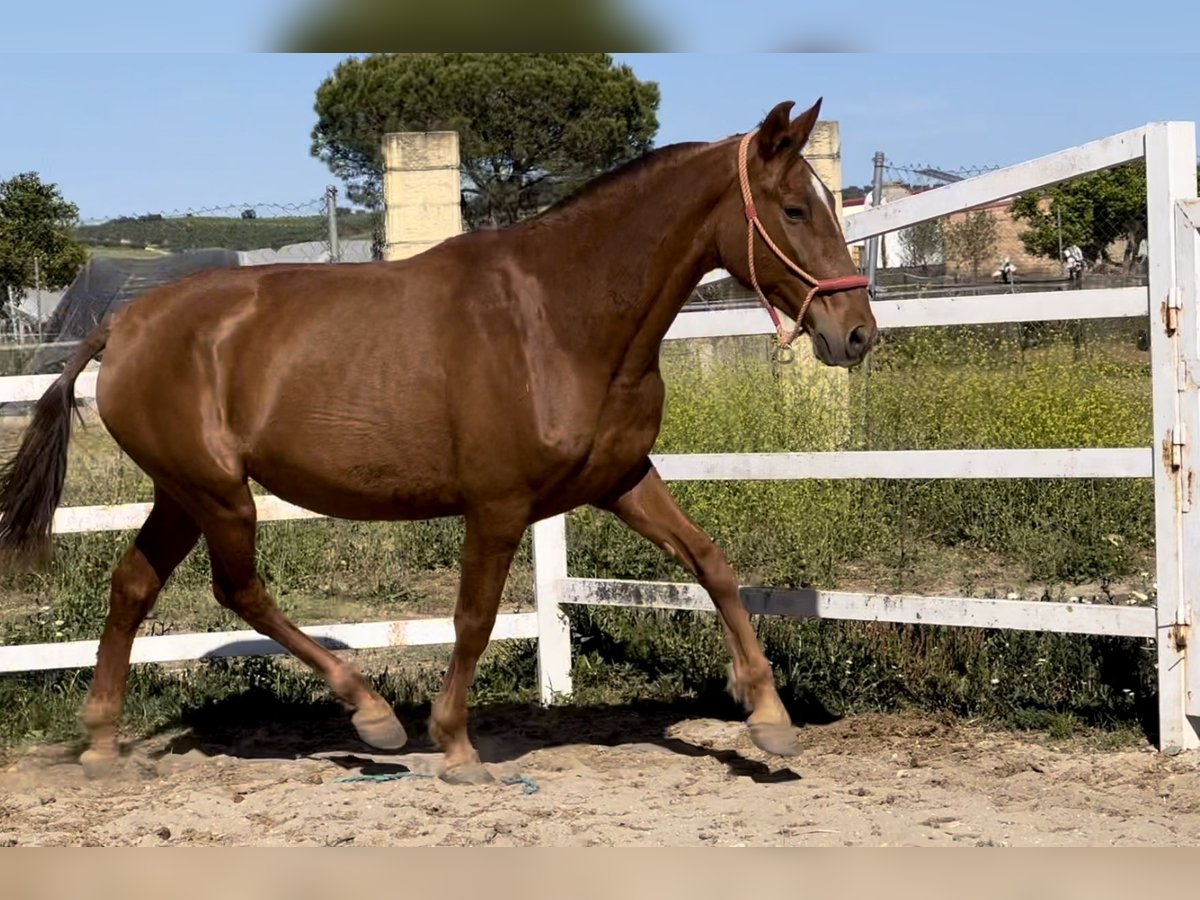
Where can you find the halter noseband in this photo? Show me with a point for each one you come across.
(819, 286)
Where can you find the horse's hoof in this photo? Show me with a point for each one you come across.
(468, 773)
(778, 738)
(379, 727)
(97, 765)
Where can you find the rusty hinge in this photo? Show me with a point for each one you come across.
(1179, 636)
(1175, 445)
(1174, 450)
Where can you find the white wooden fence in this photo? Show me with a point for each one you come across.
(1170, 302)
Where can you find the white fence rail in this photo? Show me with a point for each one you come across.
(1003, 183)
(1039, 306)
(1170, 303)
(214, 644)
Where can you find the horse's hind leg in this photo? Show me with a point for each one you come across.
(228, 524)
(166, 537)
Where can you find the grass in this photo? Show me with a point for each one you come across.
(942, 388)
(125, 252)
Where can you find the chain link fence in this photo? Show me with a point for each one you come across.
(1087, 232)
(1012, 385)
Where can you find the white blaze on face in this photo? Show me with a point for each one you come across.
(822, 192)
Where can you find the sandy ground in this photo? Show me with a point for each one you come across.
(610, 778)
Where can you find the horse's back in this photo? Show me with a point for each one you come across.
(343, 388)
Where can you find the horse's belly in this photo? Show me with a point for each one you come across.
(363, 495)
(357, 470)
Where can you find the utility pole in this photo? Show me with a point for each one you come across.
(876, 199)
(1062, 262)
(335, 247)
(37, 286)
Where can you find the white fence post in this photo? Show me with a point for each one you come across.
(554, 631)
(1171, 177)
(1187, 280)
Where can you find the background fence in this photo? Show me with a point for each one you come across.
(860, 491)
(1089, 231)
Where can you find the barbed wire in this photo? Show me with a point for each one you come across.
(234, 227)
(928, 174)
(299, 230)
(311, 207)
(131, 253)
(938, 172)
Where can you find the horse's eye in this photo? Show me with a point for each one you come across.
(794, 213)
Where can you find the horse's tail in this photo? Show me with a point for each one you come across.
(31, 483)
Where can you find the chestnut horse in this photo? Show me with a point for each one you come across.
(505, 376)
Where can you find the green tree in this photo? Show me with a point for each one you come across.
(1093, 210)
(36, 246)
(531, 127)
(923, 244)
(971, 240)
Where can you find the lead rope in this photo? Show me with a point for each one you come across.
(819, 286)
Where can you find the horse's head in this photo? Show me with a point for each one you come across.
(801, 264)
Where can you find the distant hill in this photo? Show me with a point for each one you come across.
(226, 232)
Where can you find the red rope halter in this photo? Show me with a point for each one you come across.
(819, 286)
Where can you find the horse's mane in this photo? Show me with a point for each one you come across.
(626, 172)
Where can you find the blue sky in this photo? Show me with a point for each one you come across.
(126, 133)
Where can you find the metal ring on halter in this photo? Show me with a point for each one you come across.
(783, 354)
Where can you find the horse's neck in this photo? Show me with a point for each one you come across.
(622, 268)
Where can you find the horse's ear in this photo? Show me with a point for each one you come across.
(802, 127)
(774, 134)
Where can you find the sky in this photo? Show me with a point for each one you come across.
(125, 132)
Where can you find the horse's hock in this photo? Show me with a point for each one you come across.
(422, 191)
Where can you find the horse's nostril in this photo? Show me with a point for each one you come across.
(857, 340)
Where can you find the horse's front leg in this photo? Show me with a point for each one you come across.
(491, 542)
(650, 510)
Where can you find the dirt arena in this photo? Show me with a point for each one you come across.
(610, 778)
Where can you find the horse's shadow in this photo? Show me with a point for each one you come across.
(256, 725)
